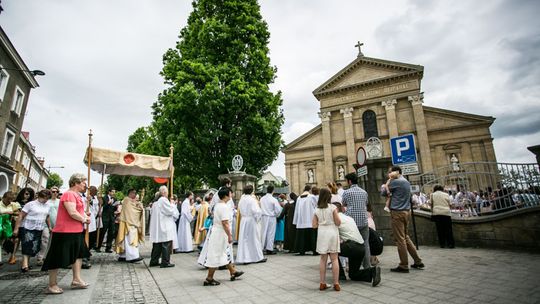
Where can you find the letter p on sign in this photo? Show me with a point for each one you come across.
(402, 144)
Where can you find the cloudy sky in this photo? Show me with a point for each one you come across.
(103, 58)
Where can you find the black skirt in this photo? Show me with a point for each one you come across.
(30, 241)
(64, 250)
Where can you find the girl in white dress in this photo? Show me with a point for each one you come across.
(219, 239)
(327, 220)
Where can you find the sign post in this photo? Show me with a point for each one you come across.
(404, 155)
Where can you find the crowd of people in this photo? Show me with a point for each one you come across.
(465, 203)
(62, 231)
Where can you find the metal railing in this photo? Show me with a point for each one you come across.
(482, 188)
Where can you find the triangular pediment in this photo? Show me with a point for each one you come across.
(366, 70)
(437, 118)
(312, 138)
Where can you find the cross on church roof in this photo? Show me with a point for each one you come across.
(359, 46)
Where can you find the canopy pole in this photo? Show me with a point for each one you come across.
(89, 153)
(172, 171)
(100, 201)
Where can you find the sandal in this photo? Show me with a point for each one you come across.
(236, 274)
(79, 285)
(211, 282)
(49, 290)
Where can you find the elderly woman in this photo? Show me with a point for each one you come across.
(32, 220)
(440, 214)
(67, 242)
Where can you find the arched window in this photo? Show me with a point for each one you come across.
(369, 119)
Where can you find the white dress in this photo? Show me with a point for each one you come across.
(218, 241)
(185, 241)
(249, 243)
(328, 233)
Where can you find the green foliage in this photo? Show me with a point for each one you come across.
(218, 103)
(119, 195)
(54, 180)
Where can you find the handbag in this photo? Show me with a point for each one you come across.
(376, 244)
(208, 222)
(8, 245)
(6, 230)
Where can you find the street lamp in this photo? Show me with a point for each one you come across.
(33, 72)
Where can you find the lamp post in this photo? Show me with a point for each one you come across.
(33, 72)
(54, 167)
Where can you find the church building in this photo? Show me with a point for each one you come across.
(364, 105)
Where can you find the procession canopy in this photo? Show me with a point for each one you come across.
(126, 163)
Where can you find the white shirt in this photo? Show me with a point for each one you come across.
(36, 215)
(336, 198)
(348, 229)
(270, 205)
(340, 191)
(249, 207)
(162, 221)
(304, 211)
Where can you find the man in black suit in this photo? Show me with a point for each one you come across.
(107, 218)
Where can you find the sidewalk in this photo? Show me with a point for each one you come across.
(461, 275)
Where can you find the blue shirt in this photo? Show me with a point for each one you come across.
(400, 190)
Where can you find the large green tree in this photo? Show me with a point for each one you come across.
(218, 102)
(54, 180)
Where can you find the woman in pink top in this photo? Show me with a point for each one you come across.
(67, 242)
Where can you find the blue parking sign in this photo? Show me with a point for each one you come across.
(403, 149)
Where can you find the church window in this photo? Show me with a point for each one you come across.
(369, 119)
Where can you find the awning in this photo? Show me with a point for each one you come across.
(127, 163)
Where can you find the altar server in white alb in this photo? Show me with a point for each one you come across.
(226, 183)
(249, 242)
(270, 210)
(185, 239)
(306, 236)
(162, 229)
(94, 212)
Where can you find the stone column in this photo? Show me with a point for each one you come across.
(327, 146)
(349, 136)
(295, 181)
(391, 120)
(421, 132)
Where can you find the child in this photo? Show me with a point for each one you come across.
(392, 175)
(326, 219)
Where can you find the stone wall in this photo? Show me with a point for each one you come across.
(516, 229)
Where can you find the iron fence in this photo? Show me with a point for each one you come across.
(481, 188)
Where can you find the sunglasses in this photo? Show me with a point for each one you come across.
(54, 191)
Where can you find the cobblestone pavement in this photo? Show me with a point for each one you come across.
(462, 275)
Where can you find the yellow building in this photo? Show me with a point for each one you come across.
(381, 99)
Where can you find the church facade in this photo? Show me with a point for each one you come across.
(381, 99)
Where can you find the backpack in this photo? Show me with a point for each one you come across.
(376, 243)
